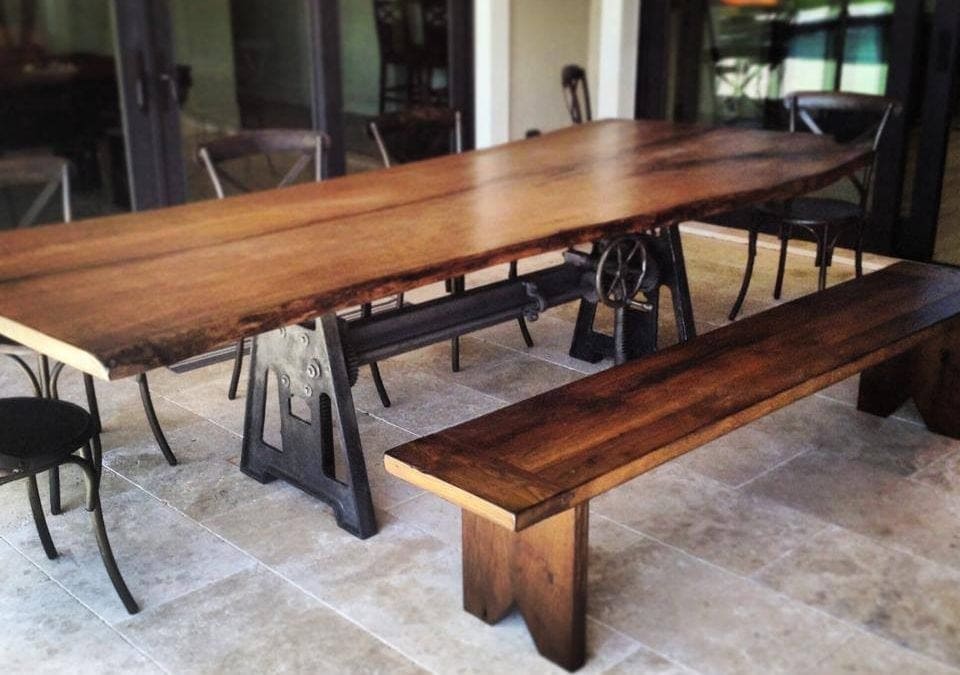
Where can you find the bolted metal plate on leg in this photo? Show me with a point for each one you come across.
(307, 370)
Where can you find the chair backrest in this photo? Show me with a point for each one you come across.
(869, 114)
(308, 146)
(433, 16)
(46, 171)
(417, 133)
(393, 29)
(576, 93)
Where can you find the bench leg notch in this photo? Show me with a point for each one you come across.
(928, 373)
(542, 570)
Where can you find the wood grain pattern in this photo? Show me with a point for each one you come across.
(582, 439)
(117, 296)
(543, 569)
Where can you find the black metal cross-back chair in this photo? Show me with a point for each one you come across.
(43, 434)
(309, 148)
(825, 218)
(421, 133)
(576, 93)
(53, 173)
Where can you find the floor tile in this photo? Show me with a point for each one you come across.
(864, 654)
(422, 403)
(715, 523)
(45, 630)
(271, 625)
(898, 596)
(869, 500)
(697, 614)
(161, 554)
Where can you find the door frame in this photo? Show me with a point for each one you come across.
(917, 235)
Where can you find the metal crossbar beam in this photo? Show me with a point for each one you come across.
(312, 369)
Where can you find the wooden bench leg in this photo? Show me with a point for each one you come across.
(929, 373)
(542, 569)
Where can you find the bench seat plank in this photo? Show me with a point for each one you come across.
(541, 456)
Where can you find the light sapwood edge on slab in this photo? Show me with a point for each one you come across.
(57, 349)
(451, 493)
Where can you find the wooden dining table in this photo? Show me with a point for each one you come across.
(120, 295)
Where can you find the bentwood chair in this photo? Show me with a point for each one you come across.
(50, 174)
(43, 434)
(308, 147)
(850, 118)
(576, 93)
(421, 133)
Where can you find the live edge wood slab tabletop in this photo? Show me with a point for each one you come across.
(120, 295)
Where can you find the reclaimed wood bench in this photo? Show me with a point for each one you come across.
(524, 475)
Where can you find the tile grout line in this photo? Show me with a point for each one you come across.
(89, 609)
(258, 563)
(753, 582)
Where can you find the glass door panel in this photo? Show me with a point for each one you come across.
(251, 67)
(59, 96)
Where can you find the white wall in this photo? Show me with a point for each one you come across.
(520, 46)
(545, 35)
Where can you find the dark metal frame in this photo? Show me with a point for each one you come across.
(917, 238)
(315, 367)
(90, 463)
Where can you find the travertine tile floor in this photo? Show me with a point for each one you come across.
(816, 540)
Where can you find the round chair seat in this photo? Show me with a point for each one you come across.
(814, 210)
(37, 432)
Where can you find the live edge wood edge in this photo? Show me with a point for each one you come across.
(169, 284)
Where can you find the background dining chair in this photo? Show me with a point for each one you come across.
(849, 118)
(43, 434)
(398, 54)
(576, 93)
(305, 147)
(421, 133)
(50, 173)
(433, 54)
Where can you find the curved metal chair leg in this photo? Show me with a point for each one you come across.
(858, 252)
(55, 380)
(366, 309)
(53, 480)
(35, 383)
(785, 233)
(458, 285)
(235, 375)
(38, 519)
(455, 354)
(94, 409)
(153, 421)
(378, 383)
(747, 274)
(823, 258)
(524, 331)
(103, 542)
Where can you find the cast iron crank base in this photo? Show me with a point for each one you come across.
(312, 370)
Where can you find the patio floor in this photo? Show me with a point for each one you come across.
(816, 540)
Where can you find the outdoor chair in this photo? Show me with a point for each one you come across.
(43, 434)
(271, 144)
(418, 134)
(576, 93)
(398, 54)
(826, 219)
